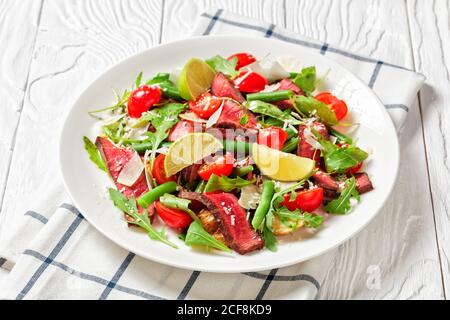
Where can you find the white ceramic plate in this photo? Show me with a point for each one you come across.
(87, 185)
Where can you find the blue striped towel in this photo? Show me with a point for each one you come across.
(53, 252)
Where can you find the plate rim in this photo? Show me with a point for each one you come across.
(189, 266)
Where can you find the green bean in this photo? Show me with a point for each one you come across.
(291, 132)
(151, 196)
(170, 92)
(270, 96)
(242, 171)
(290, 145)
(341, 137)
(141, 147)
(237, 146)
(201, 186)
(264, 203)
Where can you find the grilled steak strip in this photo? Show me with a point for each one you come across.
(231, 218)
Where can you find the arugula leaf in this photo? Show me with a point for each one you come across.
(270, 242)
(272, 111)
(339, 159)
(310, 220)
(342, 205)
(341, 137)
(306, 79)
(220, 64)
(141, 220)
(226, 184)
(171, 201)
(196, 235)
(309, 105)
(138, 81)
(94, 154)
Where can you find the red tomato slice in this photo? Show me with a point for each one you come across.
(291, 205)
(205, 105)
(338, 106)
(273, 137)
(250, 82)
(221, 166)
(243, 59)
(309, 200)
(181, 128)
(142, 99)
(174, 218)
(158, 171)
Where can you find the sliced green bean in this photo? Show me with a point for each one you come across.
(270, 96)
(237, 146)
(264, 203)
(151, 196)
(170, 92)
(291, 132)
(242, 171)
(290, 145)
(201, 186)
(340, 136)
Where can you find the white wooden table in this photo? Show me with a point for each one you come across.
(51, 49)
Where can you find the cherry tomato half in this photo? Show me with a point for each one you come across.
(243, 59)
(142, 99)
(338, 106)
(205, 105)
(308, 200)
(221, 166)
(273, 137)
(174, 218)
(159, 172)
(250, 82)
(180, 129)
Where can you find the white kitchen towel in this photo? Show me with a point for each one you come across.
(53, 252)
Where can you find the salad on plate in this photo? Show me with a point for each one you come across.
(234, 154)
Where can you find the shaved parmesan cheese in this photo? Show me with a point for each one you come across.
(215, 116)
(333, 139)
(163, 150)
(148, 176)
(191, 116)
(131, 171)
(174, 76)
(272, 71)
(309, 137)
(272, 87)
(250, 196)
(290, 63)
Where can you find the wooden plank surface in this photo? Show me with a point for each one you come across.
(17, 41)
(395, 257)
(76, 41)
(430, 34)
(399, 247)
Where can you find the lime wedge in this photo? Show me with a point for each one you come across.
(196, 77)
(280, 165)
(188, 150)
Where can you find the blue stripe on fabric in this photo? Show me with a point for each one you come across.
(71, 208)
(375, 73)
(266, 284)
(117, 275)
(2, 262)
(37, 216)
(61, 243)
(396, 106)
(324, 48)
(304, 43)
(298, 277)
(269, 31)
(188, 285)
(212, 22)
(92, 278)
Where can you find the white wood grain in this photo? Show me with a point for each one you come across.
(76, 41)
(400, 244)
(430, 34)
(180, 16)
(18, 27)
